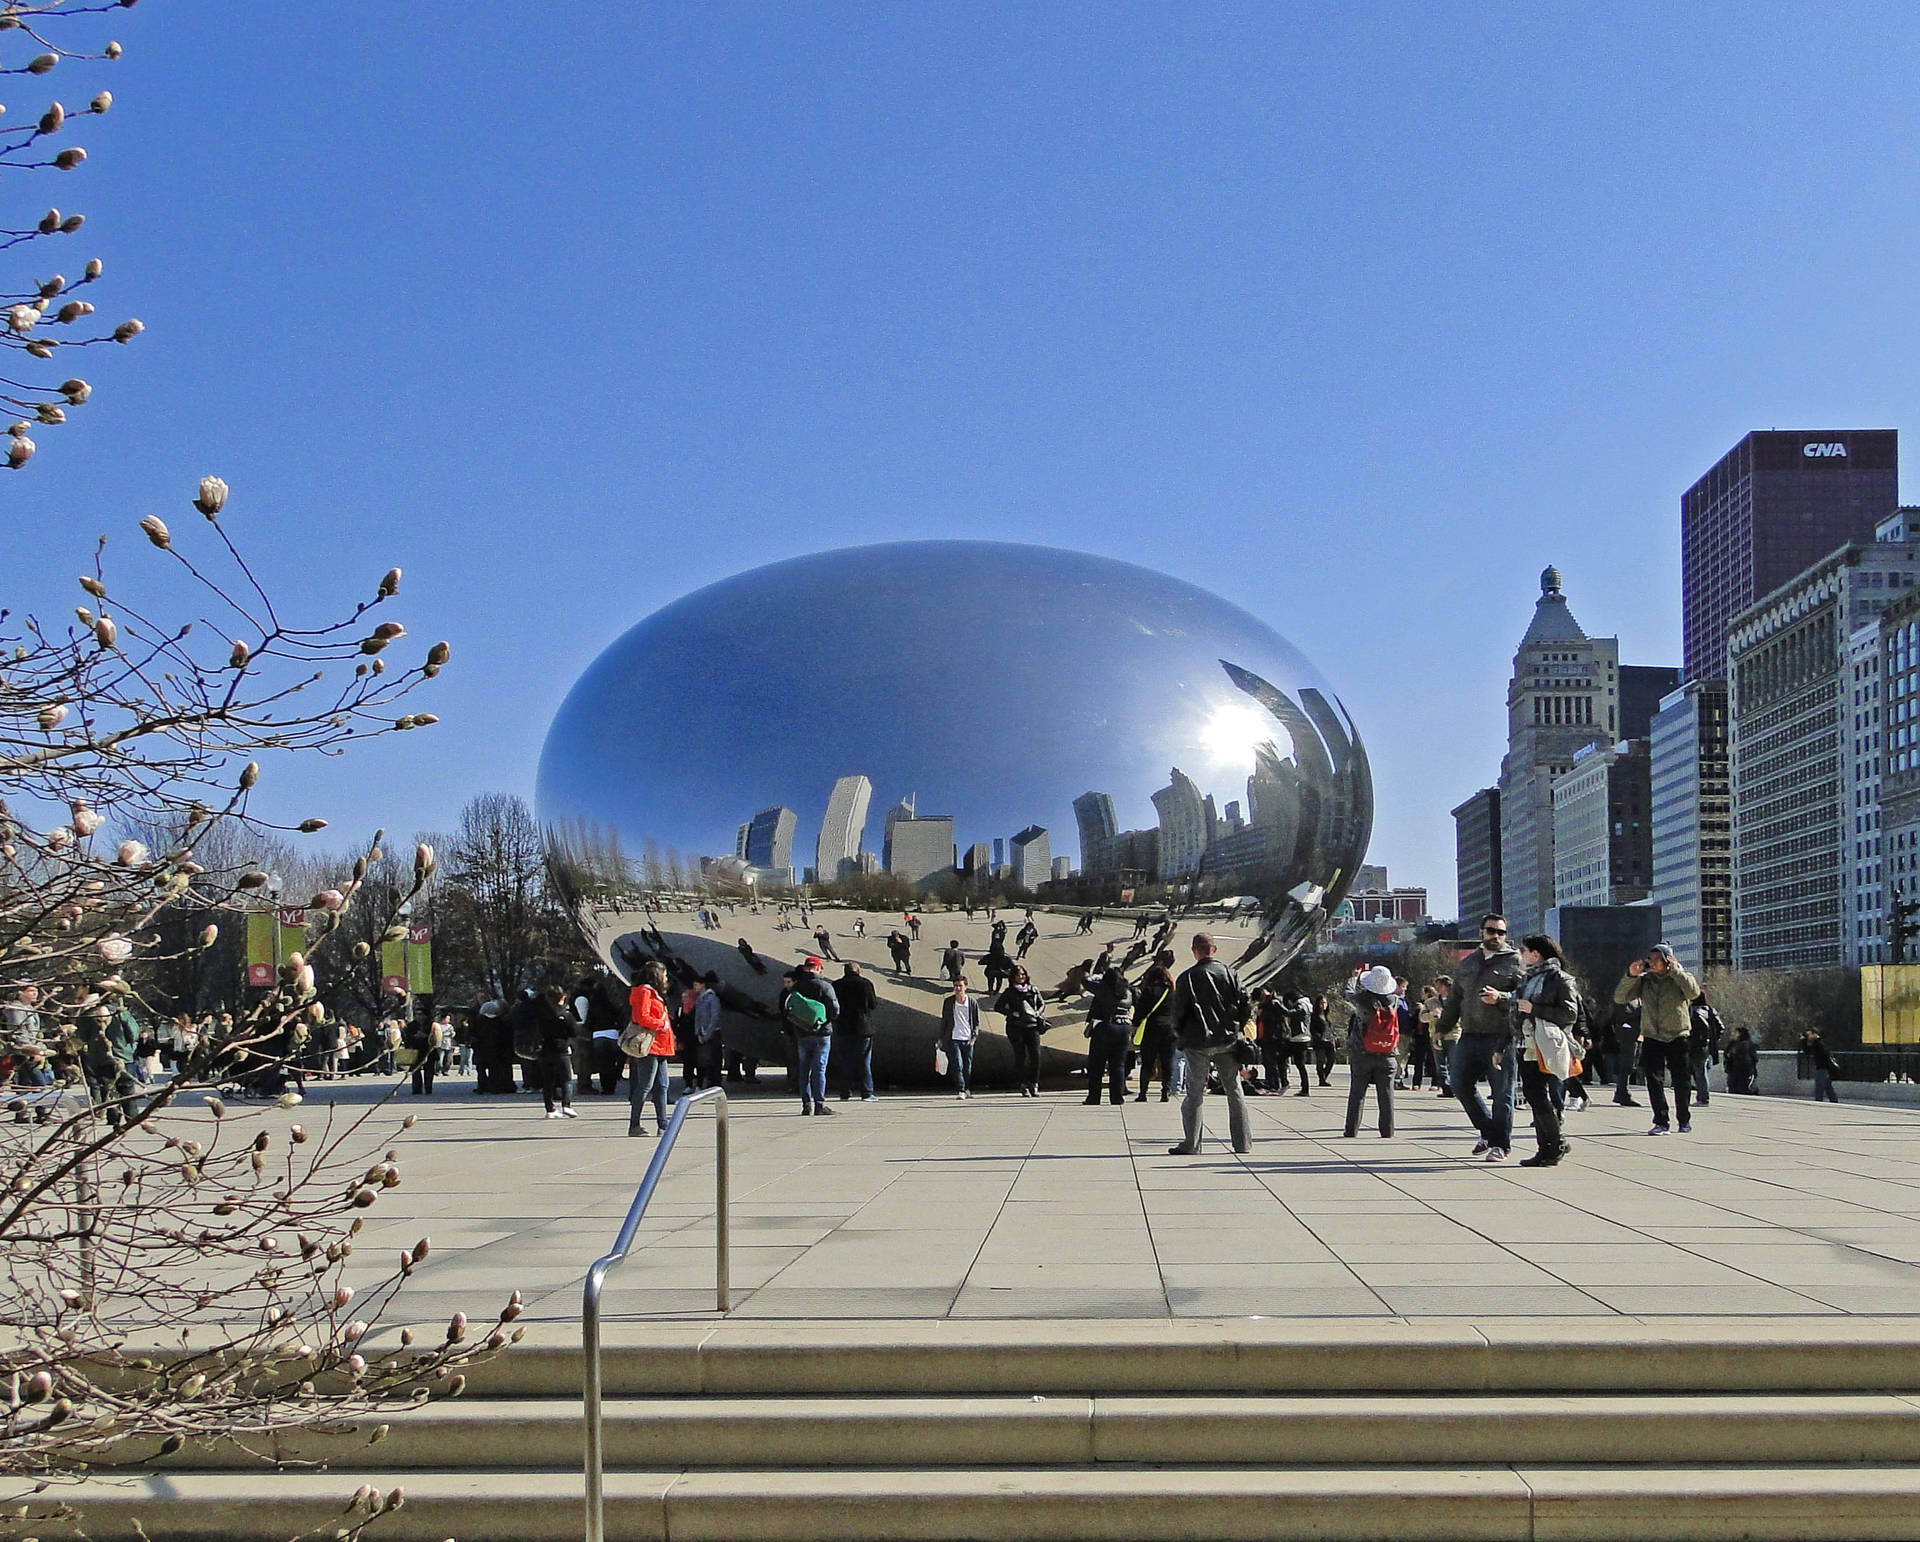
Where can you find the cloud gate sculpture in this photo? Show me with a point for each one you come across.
(936, 728)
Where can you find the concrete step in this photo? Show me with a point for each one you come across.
(991, 1357)
(523, 1435)
(1520, 1503)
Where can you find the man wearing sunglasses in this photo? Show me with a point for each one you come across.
(1485, 1051)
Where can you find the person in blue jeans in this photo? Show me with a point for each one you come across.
(1485, 1051)
(959, 1029)
(809, 1008)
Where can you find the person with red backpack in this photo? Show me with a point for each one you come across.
(1373, 1043)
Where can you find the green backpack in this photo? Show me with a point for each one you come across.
(805, 1014)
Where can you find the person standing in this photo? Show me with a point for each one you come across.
(1443, 1042)
(1820, 1062)
(1663, 991)
(823, 940)
(1026, 937)
(959, 1028)
(1545, 1006)
(1299, 1034)
(605, 1047)
(1320, 1030)
(902, 951)
(646, 1044)
(425, 1041)
(1155, 1031)
(556, 1028)
(953, 961)
(809, 1008)
(1485, 1049)
(1425, 1015)
(852, 1056)
(706, 1029)
(1210, 1011)
(1743, 1062)
(1704, 1032)
(1024, 1010)
(1109, 1032)
(1373, 1045)
(1270, 1033)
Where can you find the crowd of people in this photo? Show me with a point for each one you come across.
(1510, 1018)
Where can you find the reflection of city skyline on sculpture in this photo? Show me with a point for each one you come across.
(1115, 731)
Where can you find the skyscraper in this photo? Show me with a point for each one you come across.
(1032, 858)
(1692, 825)
(1093, 812)
(770, 838)
(1564, 696)
(843, 827)
(1602, 837)
(1793, 742)
(1476, 847)
(1184, 825)
(920, 846)
(1773, 506)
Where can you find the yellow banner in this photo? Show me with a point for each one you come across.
(393, 968)
(1890, 1004)
(420, 960)
(293, 931)
(262, 934)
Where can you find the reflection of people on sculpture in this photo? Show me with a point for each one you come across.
(996, 964)
(1025, 1011)
(1027, 936)
(823, 941)
(1075, 983)
(1086, 923)
(753, 958)
(1135, 953)
(902, 952)
(1140, 924)
(952, 961)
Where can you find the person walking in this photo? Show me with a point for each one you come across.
(823, 941)
(1663, 992)
(1704, 1032)
(555, 1025)
(901, 950)
(1109, 1032)
(646, 1044)
(1026, 937)
(1820, 1061)
(808, 1006)
(959, 1029)
(852, 1054)
(1024, 1011)
(1320, 1030)
(1485, 1048)
(1545, 1005)
(953, 962)
(1210, 1011)
(1373, 1044)
(1153, 1032)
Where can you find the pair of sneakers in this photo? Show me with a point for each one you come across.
(1686, 1128)
(1488, 1152)
(562, 1113)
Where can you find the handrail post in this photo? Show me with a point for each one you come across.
(590, 1392)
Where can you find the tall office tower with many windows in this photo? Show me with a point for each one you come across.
(1032, 858)
(1692, 825)
(1773, 506)
(1476, 846)
(1564, 696)
(1602, 839)
(770, 838)
(1792, 735)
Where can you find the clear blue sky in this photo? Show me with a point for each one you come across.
(1356, 314)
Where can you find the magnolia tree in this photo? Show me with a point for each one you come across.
(46, 315)
(176, 1267)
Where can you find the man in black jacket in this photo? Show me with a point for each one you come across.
(1210, 1007)
(851, 1059)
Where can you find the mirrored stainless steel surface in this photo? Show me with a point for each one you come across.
(904, 727)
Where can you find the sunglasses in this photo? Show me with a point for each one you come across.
(1494, 931)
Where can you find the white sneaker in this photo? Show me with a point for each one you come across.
(958, 1096)
(568, 1113)
(553, 1113)
(1495, 1154)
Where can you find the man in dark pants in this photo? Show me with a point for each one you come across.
(1485, 1051)
(1210, 1008)
(1109, 1033)
(1663, 991)
(851, 1059)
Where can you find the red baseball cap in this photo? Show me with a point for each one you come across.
(812, 962)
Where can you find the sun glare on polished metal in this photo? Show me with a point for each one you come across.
(904, 725)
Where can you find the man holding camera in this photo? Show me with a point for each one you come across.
(1663, 991)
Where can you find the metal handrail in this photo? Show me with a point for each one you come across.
(596, 1277)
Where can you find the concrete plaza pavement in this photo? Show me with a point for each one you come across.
(920, 1206)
